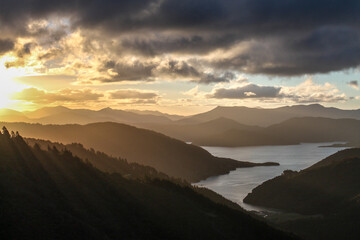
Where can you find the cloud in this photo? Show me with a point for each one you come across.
(119, 71)
(306, 92)
(354, 84)
(282, 38)
(310, 92)
(191, 44)
(248, 91)
(35, 95)
(133, 97)
(167, 69)
(192, 92)
(6, 45)
(132, 94)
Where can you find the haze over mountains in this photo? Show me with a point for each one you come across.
(266, 117)
(293, 131)
(62, 115)
(243, 115)
(222, 126)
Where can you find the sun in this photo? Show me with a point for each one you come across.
(8, 84)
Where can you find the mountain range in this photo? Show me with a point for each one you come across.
(229, 133)
(222, 126)
(243, 115)
(265, 117)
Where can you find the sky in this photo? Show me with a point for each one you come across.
(179, 57)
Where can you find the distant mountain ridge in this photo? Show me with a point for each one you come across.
(266, 117)
(292, 131)
(243, 115)
(222, 126)
(63, 115)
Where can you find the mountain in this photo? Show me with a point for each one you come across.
(101, 160)
(133, 171)
(46, 111)
(330, 188)
(63, 115)
(327, 185)
(293, 131)
(199, 131)
(173, 117)
(168, 155)
(54, 195)
(12, 115)
(266, 117)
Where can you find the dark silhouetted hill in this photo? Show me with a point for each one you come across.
(173, 157)
(54, 195)
(330, 188)
(121, 166)
(101, 160)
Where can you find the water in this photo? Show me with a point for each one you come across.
(238, 183)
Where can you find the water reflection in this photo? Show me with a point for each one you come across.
(237, 184)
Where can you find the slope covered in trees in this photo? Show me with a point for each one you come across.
(330, 188)
(55, 195)
(168, 155)
(102, 161)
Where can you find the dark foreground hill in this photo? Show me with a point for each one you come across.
(168, 155)
(330, 188)
(102, 161)
(54, 195)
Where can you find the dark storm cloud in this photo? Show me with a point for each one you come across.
(149, 71)
(137, 71)
(25, 50)
(213, 78)
(6, 45)
(248, 91)
(146, 71)
(324, 50)
(354, 84)
(180, 44)
(298, 36)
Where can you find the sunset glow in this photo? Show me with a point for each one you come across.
(9, 85)
(226, 55)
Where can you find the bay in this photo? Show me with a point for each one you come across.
(238, 183)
